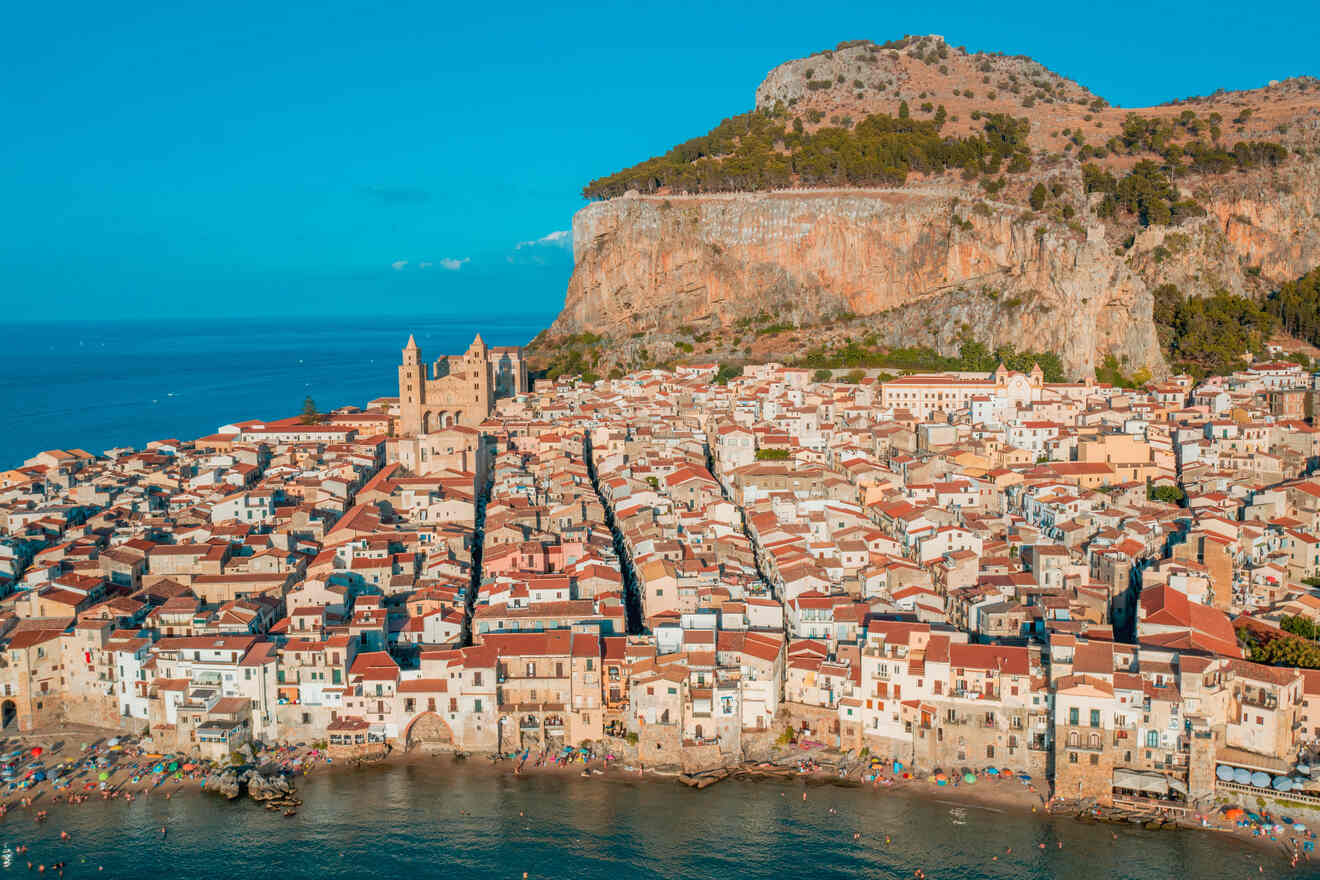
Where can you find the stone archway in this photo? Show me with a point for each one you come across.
(430, 731)
(8, 714)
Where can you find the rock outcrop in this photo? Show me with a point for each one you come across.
(938, 262)
(274, 786)
(925, 265)
(231, 782)
(224, 782)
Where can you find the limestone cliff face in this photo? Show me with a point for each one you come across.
(931, 264)
(1261, 229)
(936, 262)
(925, 266)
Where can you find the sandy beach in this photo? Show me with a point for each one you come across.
(90, 771)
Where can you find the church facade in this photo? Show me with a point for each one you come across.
(442, 404)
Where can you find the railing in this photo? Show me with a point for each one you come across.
(1262, 792)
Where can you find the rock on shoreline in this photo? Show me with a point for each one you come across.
(232, 781)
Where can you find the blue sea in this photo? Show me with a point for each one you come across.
(97, 385)
(445, 820)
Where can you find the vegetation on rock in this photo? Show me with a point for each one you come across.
(759, 151)
(972, 357)
(1209, 335)
(1297, 306)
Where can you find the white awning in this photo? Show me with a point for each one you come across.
(1146, 783)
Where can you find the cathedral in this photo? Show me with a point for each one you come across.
(441, 404)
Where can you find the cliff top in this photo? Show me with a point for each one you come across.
(858, 78)
(868, 114)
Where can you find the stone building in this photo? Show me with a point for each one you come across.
(441, 404)
(1084, 710)
(454, 390)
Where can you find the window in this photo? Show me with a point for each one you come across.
(1072, 757)
(1095, 717)
(1073, 716)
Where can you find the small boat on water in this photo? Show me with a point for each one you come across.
(290, 812)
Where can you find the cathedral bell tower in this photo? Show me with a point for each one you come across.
(412, 389)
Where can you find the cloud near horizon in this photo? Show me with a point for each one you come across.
(558, 238)
(449, 264)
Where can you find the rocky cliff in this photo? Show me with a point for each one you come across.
(934, 262)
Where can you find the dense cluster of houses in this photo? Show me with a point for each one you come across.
(947, 570)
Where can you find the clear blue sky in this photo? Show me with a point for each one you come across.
(277, 158)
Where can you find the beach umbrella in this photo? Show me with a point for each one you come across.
(174, 765)
(1260, 779)
(1282, 783)
(992, 771)
(189, 767)
(968, 777)
(1224, 772)
(1241, 776)
(36, 751)
(103, 776)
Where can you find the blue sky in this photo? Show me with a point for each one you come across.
(354, 158)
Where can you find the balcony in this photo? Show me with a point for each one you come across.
(1259, 700)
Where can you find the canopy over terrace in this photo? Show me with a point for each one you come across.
(1155, 784)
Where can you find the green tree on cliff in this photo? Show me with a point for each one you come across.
(1037, 198)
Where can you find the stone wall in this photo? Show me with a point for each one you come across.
(659, 745)
(1082, 773)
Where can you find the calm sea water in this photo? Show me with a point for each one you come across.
(98, 385)
(404, 822)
